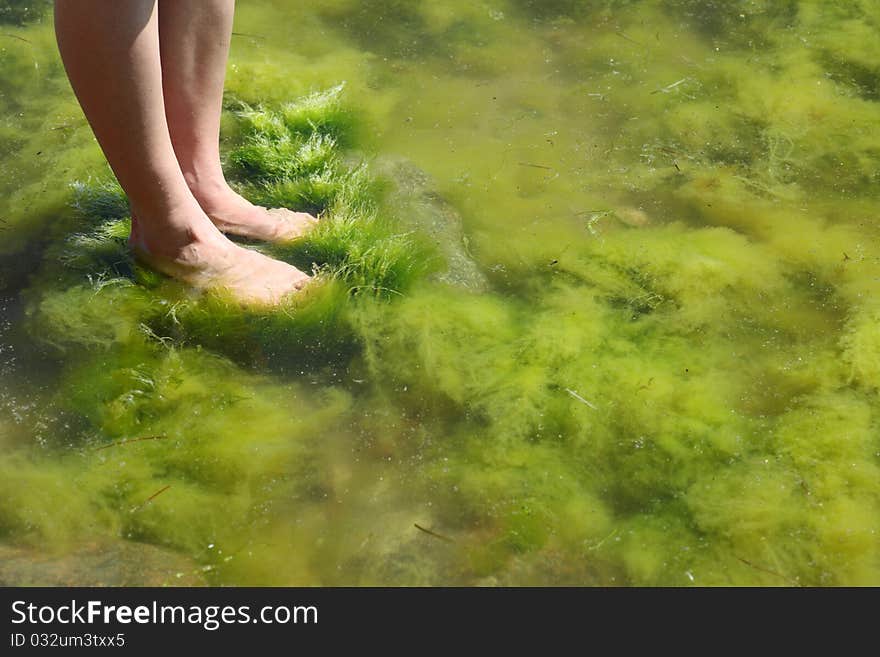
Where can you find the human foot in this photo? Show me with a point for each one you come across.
(235, 215)
(202, 257)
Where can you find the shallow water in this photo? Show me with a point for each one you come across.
(651, 356)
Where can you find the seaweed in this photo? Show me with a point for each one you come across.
(659, 366)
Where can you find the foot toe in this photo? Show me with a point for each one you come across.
(291, 225)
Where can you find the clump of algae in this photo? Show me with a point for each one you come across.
(355, 250)
(161, 413)
(708, 376)
(180, 424)
(861, 346)
(42, 145)
(621, 454)
(292, 157)
(686, 399)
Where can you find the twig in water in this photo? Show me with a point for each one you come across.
(157, 493)
(130, 440)
(581, 399)
(151, 498)
(769, 572)
(12, 36)
(626, 38)
(670, 87)
(536, 166)
(602, 542)
(446, 539)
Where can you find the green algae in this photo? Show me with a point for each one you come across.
(357, 249)
(292, 157)
(667, 375)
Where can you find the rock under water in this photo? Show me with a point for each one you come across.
(119, 563)
(423, 209)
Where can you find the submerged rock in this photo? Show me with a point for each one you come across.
(119, 563)
(422, 209)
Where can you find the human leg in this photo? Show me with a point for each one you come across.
(110, 50)
(194, 38)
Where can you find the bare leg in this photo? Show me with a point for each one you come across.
(194, 40)
(110, 50)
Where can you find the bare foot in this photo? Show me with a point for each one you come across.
(200, 256)
(237, 216)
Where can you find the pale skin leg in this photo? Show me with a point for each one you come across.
(194, 37)
(110, 50)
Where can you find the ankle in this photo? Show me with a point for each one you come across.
(209, 191)
(169, 234)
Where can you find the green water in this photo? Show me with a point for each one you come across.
(651, 356)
